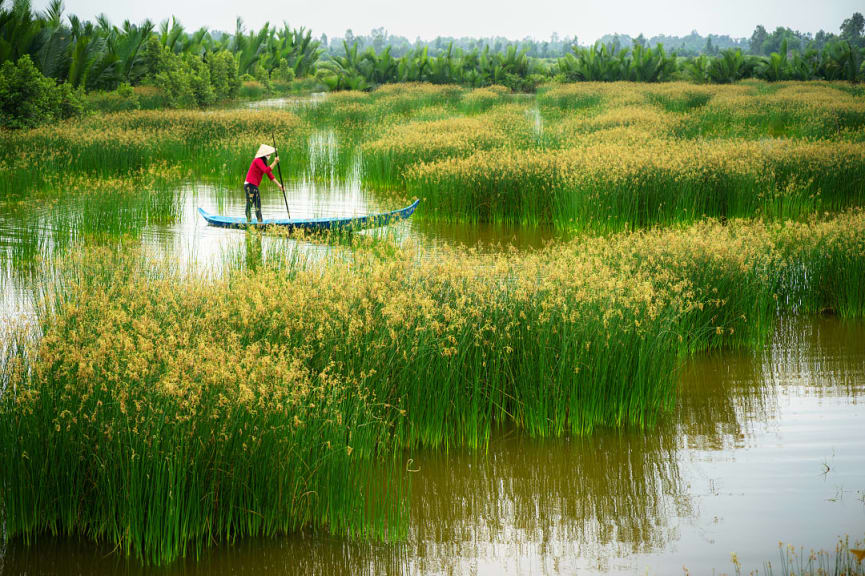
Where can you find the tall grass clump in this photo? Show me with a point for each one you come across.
(610, 156)
(800, 110)
(572, 97)
(386, 158)
(599, 156)
(678, 98)
(844, 560)
(43, 223)
(397, 147)
(601, 185)
(137, 420)
(406, 99)
(482, 99)
(347, 112)
(163, 411)
(204, 144)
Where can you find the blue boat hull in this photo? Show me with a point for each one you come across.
(315, 224)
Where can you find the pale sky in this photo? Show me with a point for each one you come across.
(513, 19)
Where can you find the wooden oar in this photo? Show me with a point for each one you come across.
(279, 171)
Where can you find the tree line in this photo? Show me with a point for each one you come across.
(196, 68)
(761, 42)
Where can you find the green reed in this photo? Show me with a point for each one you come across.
(163, 411)
(179, 145)
(189, 457)
(406, 138)
(793, 561)
(599, 188)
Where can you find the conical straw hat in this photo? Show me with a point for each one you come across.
(264, 150)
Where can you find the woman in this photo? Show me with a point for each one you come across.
(258, 168)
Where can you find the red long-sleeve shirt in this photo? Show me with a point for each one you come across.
(258, 168)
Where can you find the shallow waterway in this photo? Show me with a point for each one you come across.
(763, 447)
(169, 224)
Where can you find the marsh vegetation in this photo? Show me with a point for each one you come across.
(164, 406)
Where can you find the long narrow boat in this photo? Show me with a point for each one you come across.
(316, 224)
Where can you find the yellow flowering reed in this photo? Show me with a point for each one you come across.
(164, 410)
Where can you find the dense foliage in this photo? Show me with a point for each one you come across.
(187, 69)
(27, 98)
(590, 155)
(201, 67)
(605, 155)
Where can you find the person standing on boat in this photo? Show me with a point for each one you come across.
(257, 169)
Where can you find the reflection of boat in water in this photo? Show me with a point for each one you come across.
(316, 224)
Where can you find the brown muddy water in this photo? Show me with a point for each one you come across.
(763, 447)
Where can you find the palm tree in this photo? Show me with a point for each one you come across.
(841, 61)
(805, 65)
(648, 65)
(52, 59)
(197, 43)
(729, 66)
(295, 46)
(599, 63)
(248, 49)
(86, 50)
(383, 67)
(19, 31)
(344, 72)
(697, 69)
(413, 66)
(775, 68)
(443, 68)
(170, 37)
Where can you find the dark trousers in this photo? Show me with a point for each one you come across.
(252, 198)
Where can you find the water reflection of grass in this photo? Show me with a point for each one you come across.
(555, 498)
(822, 371)
(265, 399)
(86, 212)
(845, 560)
